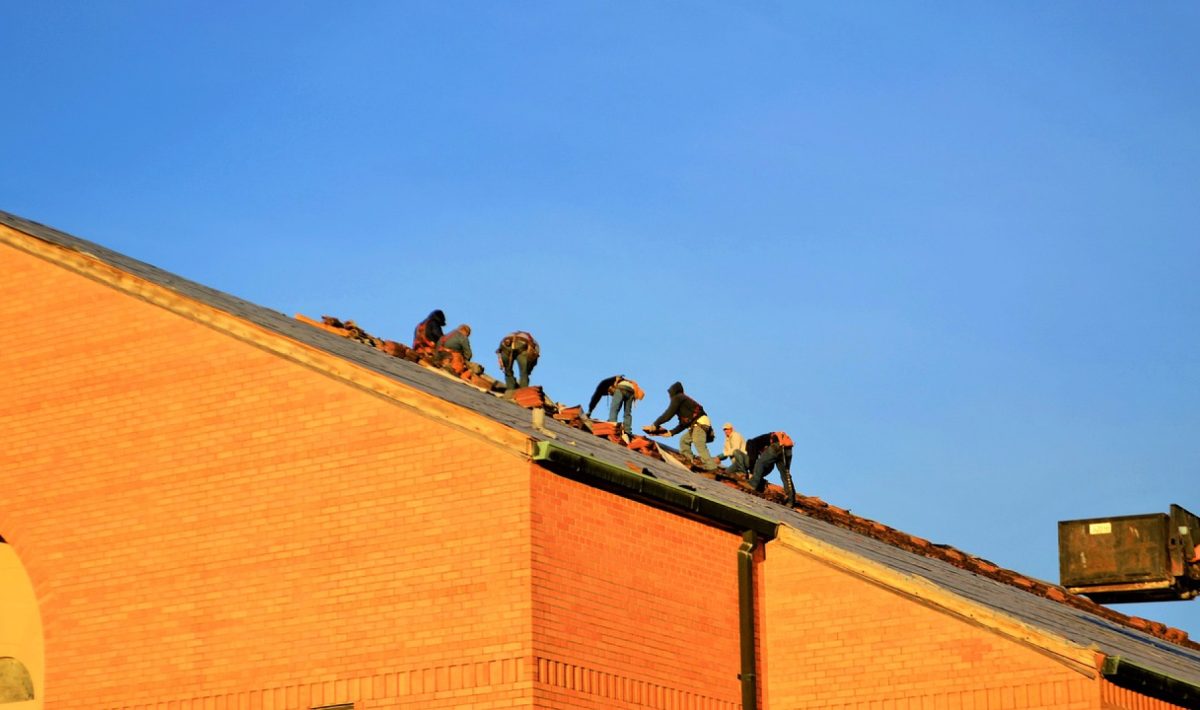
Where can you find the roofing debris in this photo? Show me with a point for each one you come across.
(350, 329)
(533, 397)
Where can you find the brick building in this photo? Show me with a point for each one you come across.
(208, 505)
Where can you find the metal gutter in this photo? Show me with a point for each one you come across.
(1131, 676)
(645, 487)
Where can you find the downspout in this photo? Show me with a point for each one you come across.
(749, 674)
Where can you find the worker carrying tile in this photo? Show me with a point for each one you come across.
(735, 450)
(521, 350)
(773, 450)
(428, 332)
(454, 351)
(693, 419)
(624, 393)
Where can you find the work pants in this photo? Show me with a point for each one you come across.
(697, 436)
(739, 462)
(622, 397)
(522, 361)
(775, 456)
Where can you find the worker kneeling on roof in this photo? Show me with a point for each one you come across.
(624, 393)
(692, 419)
(768, 451)
(454, 351)
(735, 450)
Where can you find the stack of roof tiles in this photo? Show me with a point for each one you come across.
(608, 430)
(531, 397)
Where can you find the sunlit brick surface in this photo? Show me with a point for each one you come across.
(211, 524)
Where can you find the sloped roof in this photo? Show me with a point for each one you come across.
(1076, 620)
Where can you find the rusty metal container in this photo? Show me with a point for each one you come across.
(1131, 558)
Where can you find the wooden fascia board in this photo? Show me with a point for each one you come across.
(422, 403)
(1082, 659)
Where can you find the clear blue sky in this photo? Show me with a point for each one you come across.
(951, 248)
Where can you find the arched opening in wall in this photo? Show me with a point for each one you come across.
(16, 684)
(22, 654)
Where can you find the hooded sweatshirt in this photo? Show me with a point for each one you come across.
(430, 329)
(687, 409)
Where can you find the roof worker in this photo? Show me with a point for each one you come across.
(455, 350)
(520, 349)
(624, 393)
(735, 450)
(692, 419)
(428, 332)
(773, 450)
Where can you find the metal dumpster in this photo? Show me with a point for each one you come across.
(1131, 558)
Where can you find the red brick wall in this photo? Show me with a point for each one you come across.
(211, 525)
(633, 606)
(837, 641)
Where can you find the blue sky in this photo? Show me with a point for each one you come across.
(951, 248)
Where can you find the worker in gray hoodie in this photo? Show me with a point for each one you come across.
(693, 422)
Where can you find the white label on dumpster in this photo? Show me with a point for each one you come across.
(1099, 528)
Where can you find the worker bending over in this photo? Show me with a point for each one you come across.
(768, 451)
(454, 349)
(519, 349)
(735, 450)
(624, 393)
(428, 332)
(693, 422)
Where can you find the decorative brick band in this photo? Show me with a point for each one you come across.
(363, 689)
(492, 674)
(622, 689)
